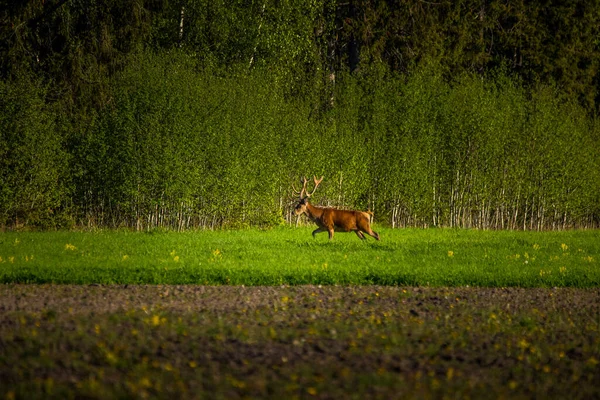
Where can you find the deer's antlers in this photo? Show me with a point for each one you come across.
(304, 193)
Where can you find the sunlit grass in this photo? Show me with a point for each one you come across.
(435, 257)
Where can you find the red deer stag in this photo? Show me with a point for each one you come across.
(331, 219)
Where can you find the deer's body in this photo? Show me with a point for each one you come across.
(333, 220)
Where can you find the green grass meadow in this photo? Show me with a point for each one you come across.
(290, 256)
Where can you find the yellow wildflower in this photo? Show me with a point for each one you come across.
(111, 357)
(145, 382)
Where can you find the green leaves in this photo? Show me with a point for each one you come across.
(183, 145)
(429, 114)
(33, 164)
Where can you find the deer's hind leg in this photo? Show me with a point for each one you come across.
(374, 234)
(365, 227)
(370, 232)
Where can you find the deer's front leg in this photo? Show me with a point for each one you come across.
(330, 230)
(318, 230)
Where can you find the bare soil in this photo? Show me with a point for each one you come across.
(68, 341)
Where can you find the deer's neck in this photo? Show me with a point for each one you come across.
(313, 212)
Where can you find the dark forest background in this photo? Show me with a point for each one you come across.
(185, 114)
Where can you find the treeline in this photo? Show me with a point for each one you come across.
(203, 114)
(76, 44)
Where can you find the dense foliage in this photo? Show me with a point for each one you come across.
(203, 114)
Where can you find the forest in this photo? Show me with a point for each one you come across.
(179, 114)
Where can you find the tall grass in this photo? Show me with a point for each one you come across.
(436, 257)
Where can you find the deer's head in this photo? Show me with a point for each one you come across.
(304, 195)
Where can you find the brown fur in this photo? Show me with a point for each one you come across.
(334, 220)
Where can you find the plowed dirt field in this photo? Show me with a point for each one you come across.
(63, 341)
